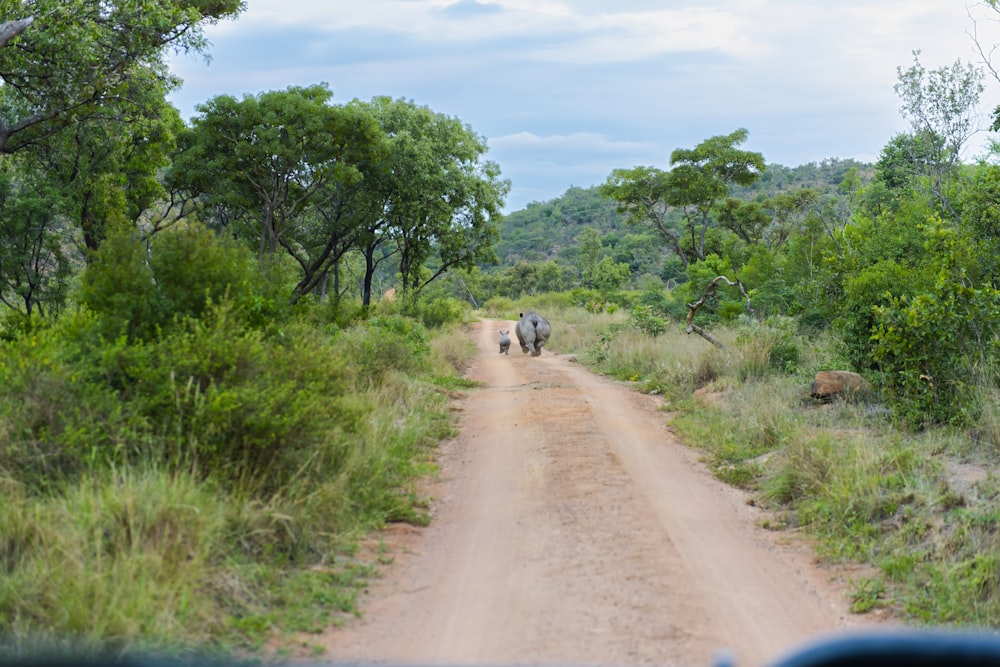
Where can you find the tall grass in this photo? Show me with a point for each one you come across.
(128, 541)
(116, 562)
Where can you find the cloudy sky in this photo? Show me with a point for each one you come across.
(567, 90)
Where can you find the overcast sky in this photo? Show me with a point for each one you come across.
(567, 90)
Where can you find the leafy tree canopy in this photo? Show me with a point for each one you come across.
(65, 61)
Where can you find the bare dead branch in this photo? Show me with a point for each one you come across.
(707, 336)
(710, 292)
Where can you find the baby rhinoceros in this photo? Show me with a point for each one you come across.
(504, 342)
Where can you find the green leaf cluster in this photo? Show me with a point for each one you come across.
(139, 290)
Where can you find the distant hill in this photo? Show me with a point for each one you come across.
(542, 230)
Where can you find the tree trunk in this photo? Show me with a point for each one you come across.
(366, 287)
(12, 29)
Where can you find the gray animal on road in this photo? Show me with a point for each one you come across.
(504, 341)
(533, 332)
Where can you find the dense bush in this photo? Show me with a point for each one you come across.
(119, 286)
(871, 288)
(186, 268)
(212, 396)
(381, 344)
(648, 321)
(436, 311)
(928, 346)
(253, 411)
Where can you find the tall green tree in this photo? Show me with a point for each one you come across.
(440, 198)
(641, 194)
(698, 181)
(108, 168)
(267, 160)
(590, 253)
(63, 61)
(37, 241)
(430, 201)
(700, 177)
(608, 276)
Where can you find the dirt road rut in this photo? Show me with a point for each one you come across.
(571, 527)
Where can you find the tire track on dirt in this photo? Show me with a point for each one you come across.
(570, 527)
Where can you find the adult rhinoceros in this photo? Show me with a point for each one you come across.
(533, 332)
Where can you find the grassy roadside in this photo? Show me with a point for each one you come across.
(921, 508)
(131, 522)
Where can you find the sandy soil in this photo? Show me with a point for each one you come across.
(571, 527)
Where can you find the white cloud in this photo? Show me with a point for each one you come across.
(584, 142)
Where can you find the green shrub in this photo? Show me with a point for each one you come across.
(186, 269)
(193, 268)
(499, 306)
(382, 344)
(119, 287)
(646, 321)
(812, 322)
(926, 352)
(785, 355)
(437, 311)
(871, 288)
(60, 412)
(245, 409)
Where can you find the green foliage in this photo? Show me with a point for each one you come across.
(58, 411)
(266, 158)
(647, 321)
(434, 309)
(941, 107)
(194, 268)
(873, 287)
(902, 160)
(211, 396)
(979, 207)
(700, 276)
(186, 269)
(928, 345)
(609, 277)
(36, 262)
(382, 344)
(78, 59)
(109, 167)
(269, 448)
(500, 306)
(236, 406)
(589, 252)
(536, 233)
(432, 197)
(927, 352)
(119, 286)
(680, 204)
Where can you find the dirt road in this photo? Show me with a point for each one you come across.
(570, 527)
